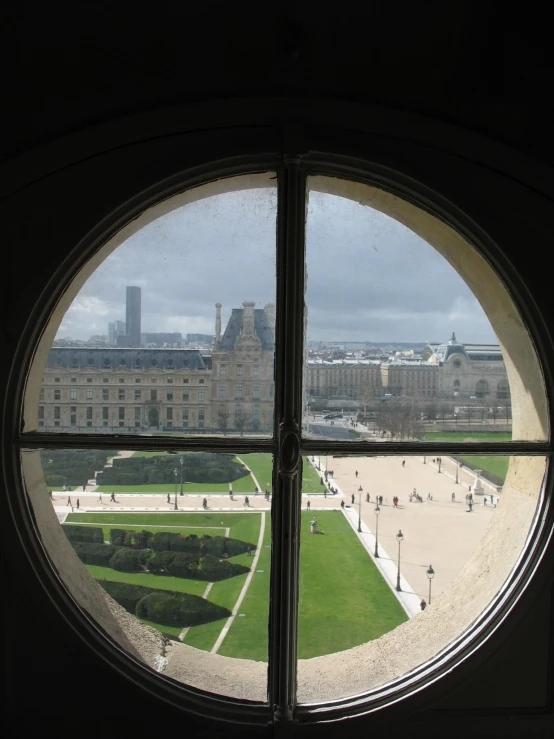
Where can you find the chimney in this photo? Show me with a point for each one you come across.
(248, 318)
(217, 323)
(269, 311)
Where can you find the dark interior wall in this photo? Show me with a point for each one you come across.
(94, 78)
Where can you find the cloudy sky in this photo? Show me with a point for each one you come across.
(369, 277)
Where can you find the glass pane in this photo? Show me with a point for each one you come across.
(173, 332)
(397, 344)
(181, 541)
(398, 556)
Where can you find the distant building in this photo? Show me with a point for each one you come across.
(132, 318)
(200, 339)
(161, 339)
(115, 329)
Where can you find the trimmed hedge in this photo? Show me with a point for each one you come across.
(160, 562)
(91, 534)
(124, 593)
(213, 569)
(197, 467)
(128, 560)
(183, 564)
(179, 609)
(72, 466)
(94, 554)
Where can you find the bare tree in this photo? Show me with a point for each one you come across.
(507, 410)
(223, 416)
(242, 419)
(494, 412)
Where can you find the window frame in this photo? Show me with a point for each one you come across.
(289, 451)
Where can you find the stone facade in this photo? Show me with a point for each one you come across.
(91, 389)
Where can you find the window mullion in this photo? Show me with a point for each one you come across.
(285, 513)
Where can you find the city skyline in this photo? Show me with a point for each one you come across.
(369, 277)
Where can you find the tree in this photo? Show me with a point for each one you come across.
(365, 394)
(242, 419)
(507, 410)
(494, 412)
(223, 416)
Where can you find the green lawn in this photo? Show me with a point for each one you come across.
(243, 526)
(497, 465)
(461, 435)
(248, 636)
(171, 631)
(161, 582)
(261, 465)
(344, 600)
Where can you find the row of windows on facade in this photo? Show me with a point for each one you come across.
(170, 395)
(222, 369)
(122, 380)
(124, 416)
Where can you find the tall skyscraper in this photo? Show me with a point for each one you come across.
(132, 315)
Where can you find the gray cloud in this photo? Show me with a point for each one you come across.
(369, 277)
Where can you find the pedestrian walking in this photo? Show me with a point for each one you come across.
(484, 500)
(308, 506)
(112, 498)
(403, 463)
(353, 498)
(205, 503)
(423, 604)
(100, 498)
(246, 501)
(77, 504)
(453, 497)
(342, 504)
(68, 500)
(356, 473)
(367, 497)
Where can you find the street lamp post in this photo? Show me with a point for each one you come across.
(360, 491)
(430, 575)
(399, 538)
(182, 461)
(175, 472)
(440, 461)
(457, 468)
(424, 460)
(377, 512)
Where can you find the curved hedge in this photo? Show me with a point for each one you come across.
(124, 593)
(167, 541)
(91, 534)
(179, 609)
(128, 560)
(197, 467)
(94, 554)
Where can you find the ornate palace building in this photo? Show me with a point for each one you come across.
(138, 389)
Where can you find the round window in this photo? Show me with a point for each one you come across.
(284, 515)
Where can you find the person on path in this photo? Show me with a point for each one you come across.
(68, 500)
(342, 504)
(356, 473)
(353, 498)
(50, 494)
(325, 493)
(453, 497)
(403, 463)
(308, 506)
(484, 500)
(246, 501)
(367, 497)
(257, 491)
(77, 504)
(423, 604)
(205, 503)
(112, 498)
(168, 500)
(100, 498)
